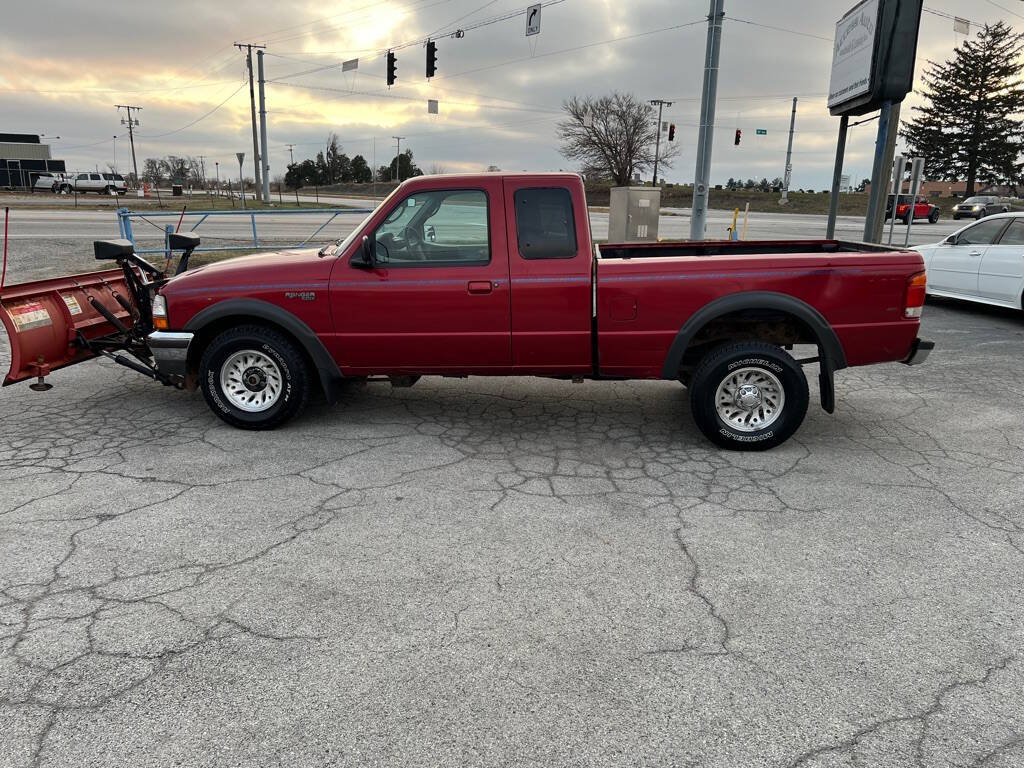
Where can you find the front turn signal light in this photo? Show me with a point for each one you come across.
(160, 313)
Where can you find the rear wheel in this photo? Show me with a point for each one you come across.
(254, 377)
(906, 220)
(748, 396)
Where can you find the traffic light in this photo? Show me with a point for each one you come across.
(739, 135)
(672, 132)
(391, 68)
(431, 58)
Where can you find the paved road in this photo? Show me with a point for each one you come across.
(505, 572)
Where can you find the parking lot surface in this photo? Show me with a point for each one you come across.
(494, 572)
(489, 572)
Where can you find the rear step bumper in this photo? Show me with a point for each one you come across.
(170, 350)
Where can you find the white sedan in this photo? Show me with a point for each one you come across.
(982, 262)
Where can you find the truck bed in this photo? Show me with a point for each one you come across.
(647, 292)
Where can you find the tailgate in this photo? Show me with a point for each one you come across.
(44, 318)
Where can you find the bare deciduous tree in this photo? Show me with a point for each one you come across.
(620, 140)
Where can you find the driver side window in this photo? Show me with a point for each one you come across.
(443, 228)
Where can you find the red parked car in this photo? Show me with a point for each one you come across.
(488, 275)
(922, 209)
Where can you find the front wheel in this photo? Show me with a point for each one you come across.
(254, 377)
(748, 396)
(933, 217)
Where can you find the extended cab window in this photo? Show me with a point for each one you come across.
(444, 227)
(544, 223)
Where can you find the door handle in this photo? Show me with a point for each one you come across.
(479, 286)
(974, 253)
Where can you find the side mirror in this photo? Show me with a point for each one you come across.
(951, 240)
(363, 258)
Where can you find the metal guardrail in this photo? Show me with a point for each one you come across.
(125, 217)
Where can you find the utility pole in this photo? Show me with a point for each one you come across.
(252, 108)
(291, 155)
(131, 137)
(701, 181)
(263, 129)
(398, 158)
(657, 139)
(788, 171)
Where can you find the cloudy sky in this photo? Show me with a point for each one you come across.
(64, 64)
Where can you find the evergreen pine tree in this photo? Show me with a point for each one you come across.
(969, 129)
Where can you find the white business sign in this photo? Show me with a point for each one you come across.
(853, 53)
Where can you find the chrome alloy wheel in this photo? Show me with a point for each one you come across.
(251, 381)
(750, 399)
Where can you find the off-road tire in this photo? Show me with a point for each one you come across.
(722, 362)
(294, 370)
(933, 217)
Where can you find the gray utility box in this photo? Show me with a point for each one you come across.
(633, 215)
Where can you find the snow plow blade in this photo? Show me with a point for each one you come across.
(48, 321)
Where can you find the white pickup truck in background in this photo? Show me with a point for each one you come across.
(103, 183)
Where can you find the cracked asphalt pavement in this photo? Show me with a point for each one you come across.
(492, 572)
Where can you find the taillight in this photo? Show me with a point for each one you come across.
(915, 295)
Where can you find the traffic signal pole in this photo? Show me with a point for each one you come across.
(657, 138)
(701, 181)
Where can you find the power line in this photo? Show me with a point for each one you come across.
(573, 49)
(409, 43)
(198, 119)
(419, 6)
(779, 29)
(1003, 8)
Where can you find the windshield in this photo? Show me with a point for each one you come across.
(339, 246)
(976, 200)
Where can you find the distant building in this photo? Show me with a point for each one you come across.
(22, 158)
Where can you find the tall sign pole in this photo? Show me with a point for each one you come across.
(252, 109)
(873, 55)
(241, 181)
(701, 181)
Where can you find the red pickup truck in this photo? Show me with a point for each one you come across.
(487, 275)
